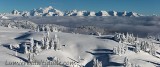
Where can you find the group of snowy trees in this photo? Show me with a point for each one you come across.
(128, 64)
(33, 47)
(97, 63)
(154, 36)
(45, 44)
(137, 48)
(46, 28)
(121, 38)
(120, 49)
(138, 45)
(30, 57)
(52, 43)
(145, 46)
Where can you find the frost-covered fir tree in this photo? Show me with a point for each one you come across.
(117, 37)
(47, 44)
(52, 44)
(153, 50)
(38, 30)
(145, 46)
(10, 46)
(31, 44)
(115, 50)
(137, 48)
(99, 64)
(25, 49)
(43, 41)
(43, 28)
(96, 63)
(123, 38)
(79, 59)
(48, 34)
(55, 36)
(30, 58)
(126, 62)
(16, 53)
(120, 49)
(54, 29)
(125, 47)
(47, 28)
(127, 36)
(130, 38)
(98, 34)
(56, 44)
(37, 48)
(9, 25)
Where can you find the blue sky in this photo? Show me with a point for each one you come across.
(146, 7)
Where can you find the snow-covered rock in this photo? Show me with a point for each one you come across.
(15, 12)
(92, 13)
(102, 13)
(132, 14)
(113, 13)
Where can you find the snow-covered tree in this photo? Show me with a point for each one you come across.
(54, 29)
(43, 28)
(10, 46)
(43, 41)
(122, 38)
(120, 49)
(47, 44)
(55, 41)
(9, 25)
(115, 50)
(98, 33)
(52, 44)
(96, 63)
(145, 46)
(31, 44)
(37, 48)
(48, 34)
(55, 36)
(126, 62)
(48, 28)
(25, 49)
(130, 38)
(38, 30)
(137, 48)
(55, 46)
(117, 37)
(153, 50)
(16, 53)
(30, 58)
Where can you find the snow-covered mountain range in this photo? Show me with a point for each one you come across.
(50, 11)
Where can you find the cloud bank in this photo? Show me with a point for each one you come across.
(141, 26)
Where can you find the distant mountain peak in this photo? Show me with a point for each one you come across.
(50, 11)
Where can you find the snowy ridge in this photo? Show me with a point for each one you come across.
(50, 11)
(123, 50)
